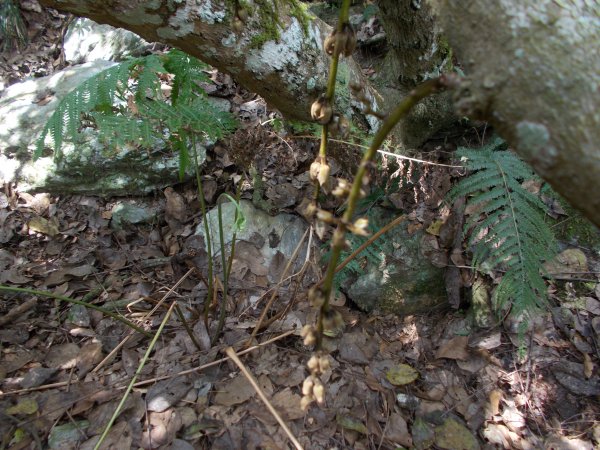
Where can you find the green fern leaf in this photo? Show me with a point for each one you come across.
(513, 234)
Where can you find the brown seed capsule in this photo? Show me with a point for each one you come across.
(339, 126)
(329, 44)
(321, 110)
(348, 40)
(242, 13)
(237, 25)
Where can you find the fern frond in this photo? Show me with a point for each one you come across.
(95, 93)
(188, 72)
(104, 98)
(513, 234)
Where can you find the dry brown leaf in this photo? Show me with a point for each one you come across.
(495, 397)
(63, 356)
(234, 392)
(397, 430)
(588, 365)
(175, 207)
(455, 348)
(288, 403)
(90, 355)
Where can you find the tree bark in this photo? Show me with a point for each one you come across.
(416, 52)
(533, 71)
(289, 72)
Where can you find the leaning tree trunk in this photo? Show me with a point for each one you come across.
(533, 68)
(290, 72)
(416, 52)
(533, 71)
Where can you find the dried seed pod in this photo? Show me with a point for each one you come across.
(348, 40)
(325, 216)
(237, 25)
(360, 227)
(321, 110)
(309, 335)
(329, 44)
(315, 168)
(307, 386)
(242, 13)
(313, 363)
(319, 393)
(342, 189)
(305, 402)
(316, 297)
(324, 363)
(333, 323)
(324, 172)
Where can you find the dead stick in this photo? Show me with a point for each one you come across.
(234, 357)
(17, 311)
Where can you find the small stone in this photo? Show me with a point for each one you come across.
(37, 376)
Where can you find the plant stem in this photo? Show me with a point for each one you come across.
(134, 378)
(209, 295)
(76, 302)
(398, 113)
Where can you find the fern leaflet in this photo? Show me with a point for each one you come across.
(513, 235)
(125, 103)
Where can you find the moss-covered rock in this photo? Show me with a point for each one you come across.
(396, 277)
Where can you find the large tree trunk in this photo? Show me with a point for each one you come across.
(416, 52)
(289, 72)
(533, 68)
(533, 71)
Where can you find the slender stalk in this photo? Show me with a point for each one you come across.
(226, 265)
(398, 113)
(137, 373)
(331, 81)
(76, 302)
(188, 330)
(209, 295)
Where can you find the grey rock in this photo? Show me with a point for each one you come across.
(86, 41)
(131, 213)
(37, 376)
(404, 281)
(78, 315)
(87, 166)
(284, 232)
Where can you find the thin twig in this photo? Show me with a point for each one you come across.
(229, 351)
(137, 373)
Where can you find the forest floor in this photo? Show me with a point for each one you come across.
(421, 381)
